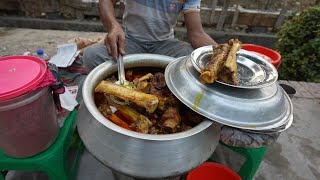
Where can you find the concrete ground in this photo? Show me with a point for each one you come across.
(294, 156)
(15, 41)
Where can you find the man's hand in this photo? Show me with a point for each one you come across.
(115, 42)
(200, 39)
(196, 34)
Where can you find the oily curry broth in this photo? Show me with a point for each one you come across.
(171, 115)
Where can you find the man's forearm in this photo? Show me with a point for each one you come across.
(107, 14)
(197, 36)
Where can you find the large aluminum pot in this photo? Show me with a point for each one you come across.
(135, 154)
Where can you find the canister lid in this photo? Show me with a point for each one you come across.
(19, 75)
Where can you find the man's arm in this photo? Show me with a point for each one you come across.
(196, 34)
(115, 39)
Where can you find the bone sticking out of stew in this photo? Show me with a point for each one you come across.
(142, 123)
(168, 116)
(148, 101)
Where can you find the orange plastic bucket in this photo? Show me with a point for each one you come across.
(267, 53)
(212, 171)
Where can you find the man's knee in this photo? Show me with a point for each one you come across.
(179, 48)
(186, 49)
(94, 55)
(88, 56)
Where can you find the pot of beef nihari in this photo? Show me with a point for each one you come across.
(155, 135)
(165, 124)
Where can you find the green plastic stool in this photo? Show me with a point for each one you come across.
(53, 161)
(254, 157)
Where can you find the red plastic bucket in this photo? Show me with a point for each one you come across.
(212, 171)
(267, 53)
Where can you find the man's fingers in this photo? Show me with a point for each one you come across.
(114, 50)
(122, 44)
(113, 46)
(107, 45)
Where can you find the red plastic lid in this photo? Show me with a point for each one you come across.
(212, 171)
(19, 75)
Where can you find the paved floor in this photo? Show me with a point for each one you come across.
(294, 156)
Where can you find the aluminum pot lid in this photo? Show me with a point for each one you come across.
(255, 109)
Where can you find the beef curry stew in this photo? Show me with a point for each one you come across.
(152, 108)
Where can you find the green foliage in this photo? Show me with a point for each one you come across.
(299, 46)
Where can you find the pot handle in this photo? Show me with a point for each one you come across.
(288, 89)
